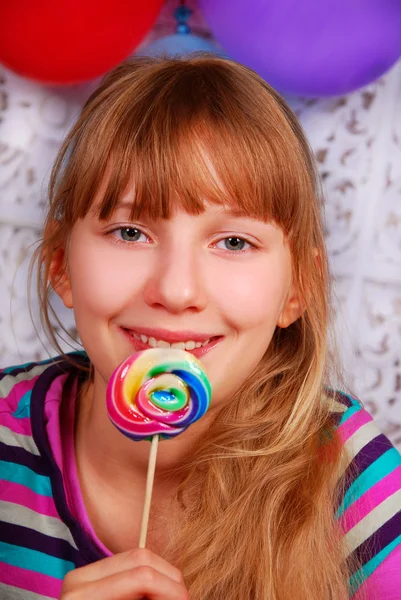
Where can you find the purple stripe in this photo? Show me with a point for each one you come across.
(335, 419)
(29, 538)
(17, 370)
(372, 451)
(12, 373)
(343, 399)
(366, 457)
(88, 551)
(15, 454)
(381, 538)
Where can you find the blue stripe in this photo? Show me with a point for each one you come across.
(40, 484)
(17, 369)
(381, 467)
(26, 366)
(199, 395)
(9, 370)
(356, 407)
(32, 560)
(40, 542)
(19, 456)
(23, 409)
(364, 572)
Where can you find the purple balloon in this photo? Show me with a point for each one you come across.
(309, 47)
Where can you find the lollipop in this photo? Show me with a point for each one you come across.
(157, 392)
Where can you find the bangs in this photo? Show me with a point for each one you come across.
(189, 134)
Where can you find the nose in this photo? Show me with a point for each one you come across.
(176, 283)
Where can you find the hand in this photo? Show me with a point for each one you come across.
(132, 575)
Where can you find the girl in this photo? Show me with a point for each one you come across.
(185, 211)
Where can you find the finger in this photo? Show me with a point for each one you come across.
(118, 563)
(134, 584)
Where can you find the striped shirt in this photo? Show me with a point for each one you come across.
(44, 528)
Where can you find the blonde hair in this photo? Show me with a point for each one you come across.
(262, 489)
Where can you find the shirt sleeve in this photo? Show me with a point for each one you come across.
(370, 510)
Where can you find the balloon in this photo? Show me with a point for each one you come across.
(178, 44)
(309, 47)
(69, 41)
(182, 42)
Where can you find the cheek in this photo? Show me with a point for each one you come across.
(101, 281)
(252, 296)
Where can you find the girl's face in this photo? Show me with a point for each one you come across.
(216, 284)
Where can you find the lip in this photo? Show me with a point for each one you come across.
(172, 337)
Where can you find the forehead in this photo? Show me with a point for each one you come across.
(199, 163)
(175, 146)
(210, 215)
(127, 206)
(159, 197)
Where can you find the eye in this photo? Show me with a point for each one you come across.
(129, 234)
(234, 244)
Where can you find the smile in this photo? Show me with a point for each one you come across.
(198, 347)
(154, 343)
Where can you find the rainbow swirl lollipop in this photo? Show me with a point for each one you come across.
(157, 392)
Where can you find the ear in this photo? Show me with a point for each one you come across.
(59, 278)
(293, 308)
(295, 304)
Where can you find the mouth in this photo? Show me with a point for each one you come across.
(199, 346)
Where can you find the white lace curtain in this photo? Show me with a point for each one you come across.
(357, 142)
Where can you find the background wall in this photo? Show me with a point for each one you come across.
(357, 142)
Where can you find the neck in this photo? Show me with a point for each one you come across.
(113, 469)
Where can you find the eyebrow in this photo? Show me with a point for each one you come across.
(123, 204)
(230, 212)
(236, 212)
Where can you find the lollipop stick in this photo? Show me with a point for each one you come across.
(149, 487)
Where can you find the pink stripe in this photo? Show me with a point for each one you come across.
(385, 581)
(52, 417)
(383, 489)
(18, 391)
(19, 494)
(30, 580)
(70, 475)
(22, 426)
(353, 424)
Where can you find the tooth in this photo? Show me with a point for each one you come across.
(189, 345)
(178, 345)
(198, 344)
(152, 342)
(162, 344)
(144, 338)
(206, 343)
(137, 336)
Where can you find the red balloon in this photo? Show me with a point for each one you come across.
(69, 41)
